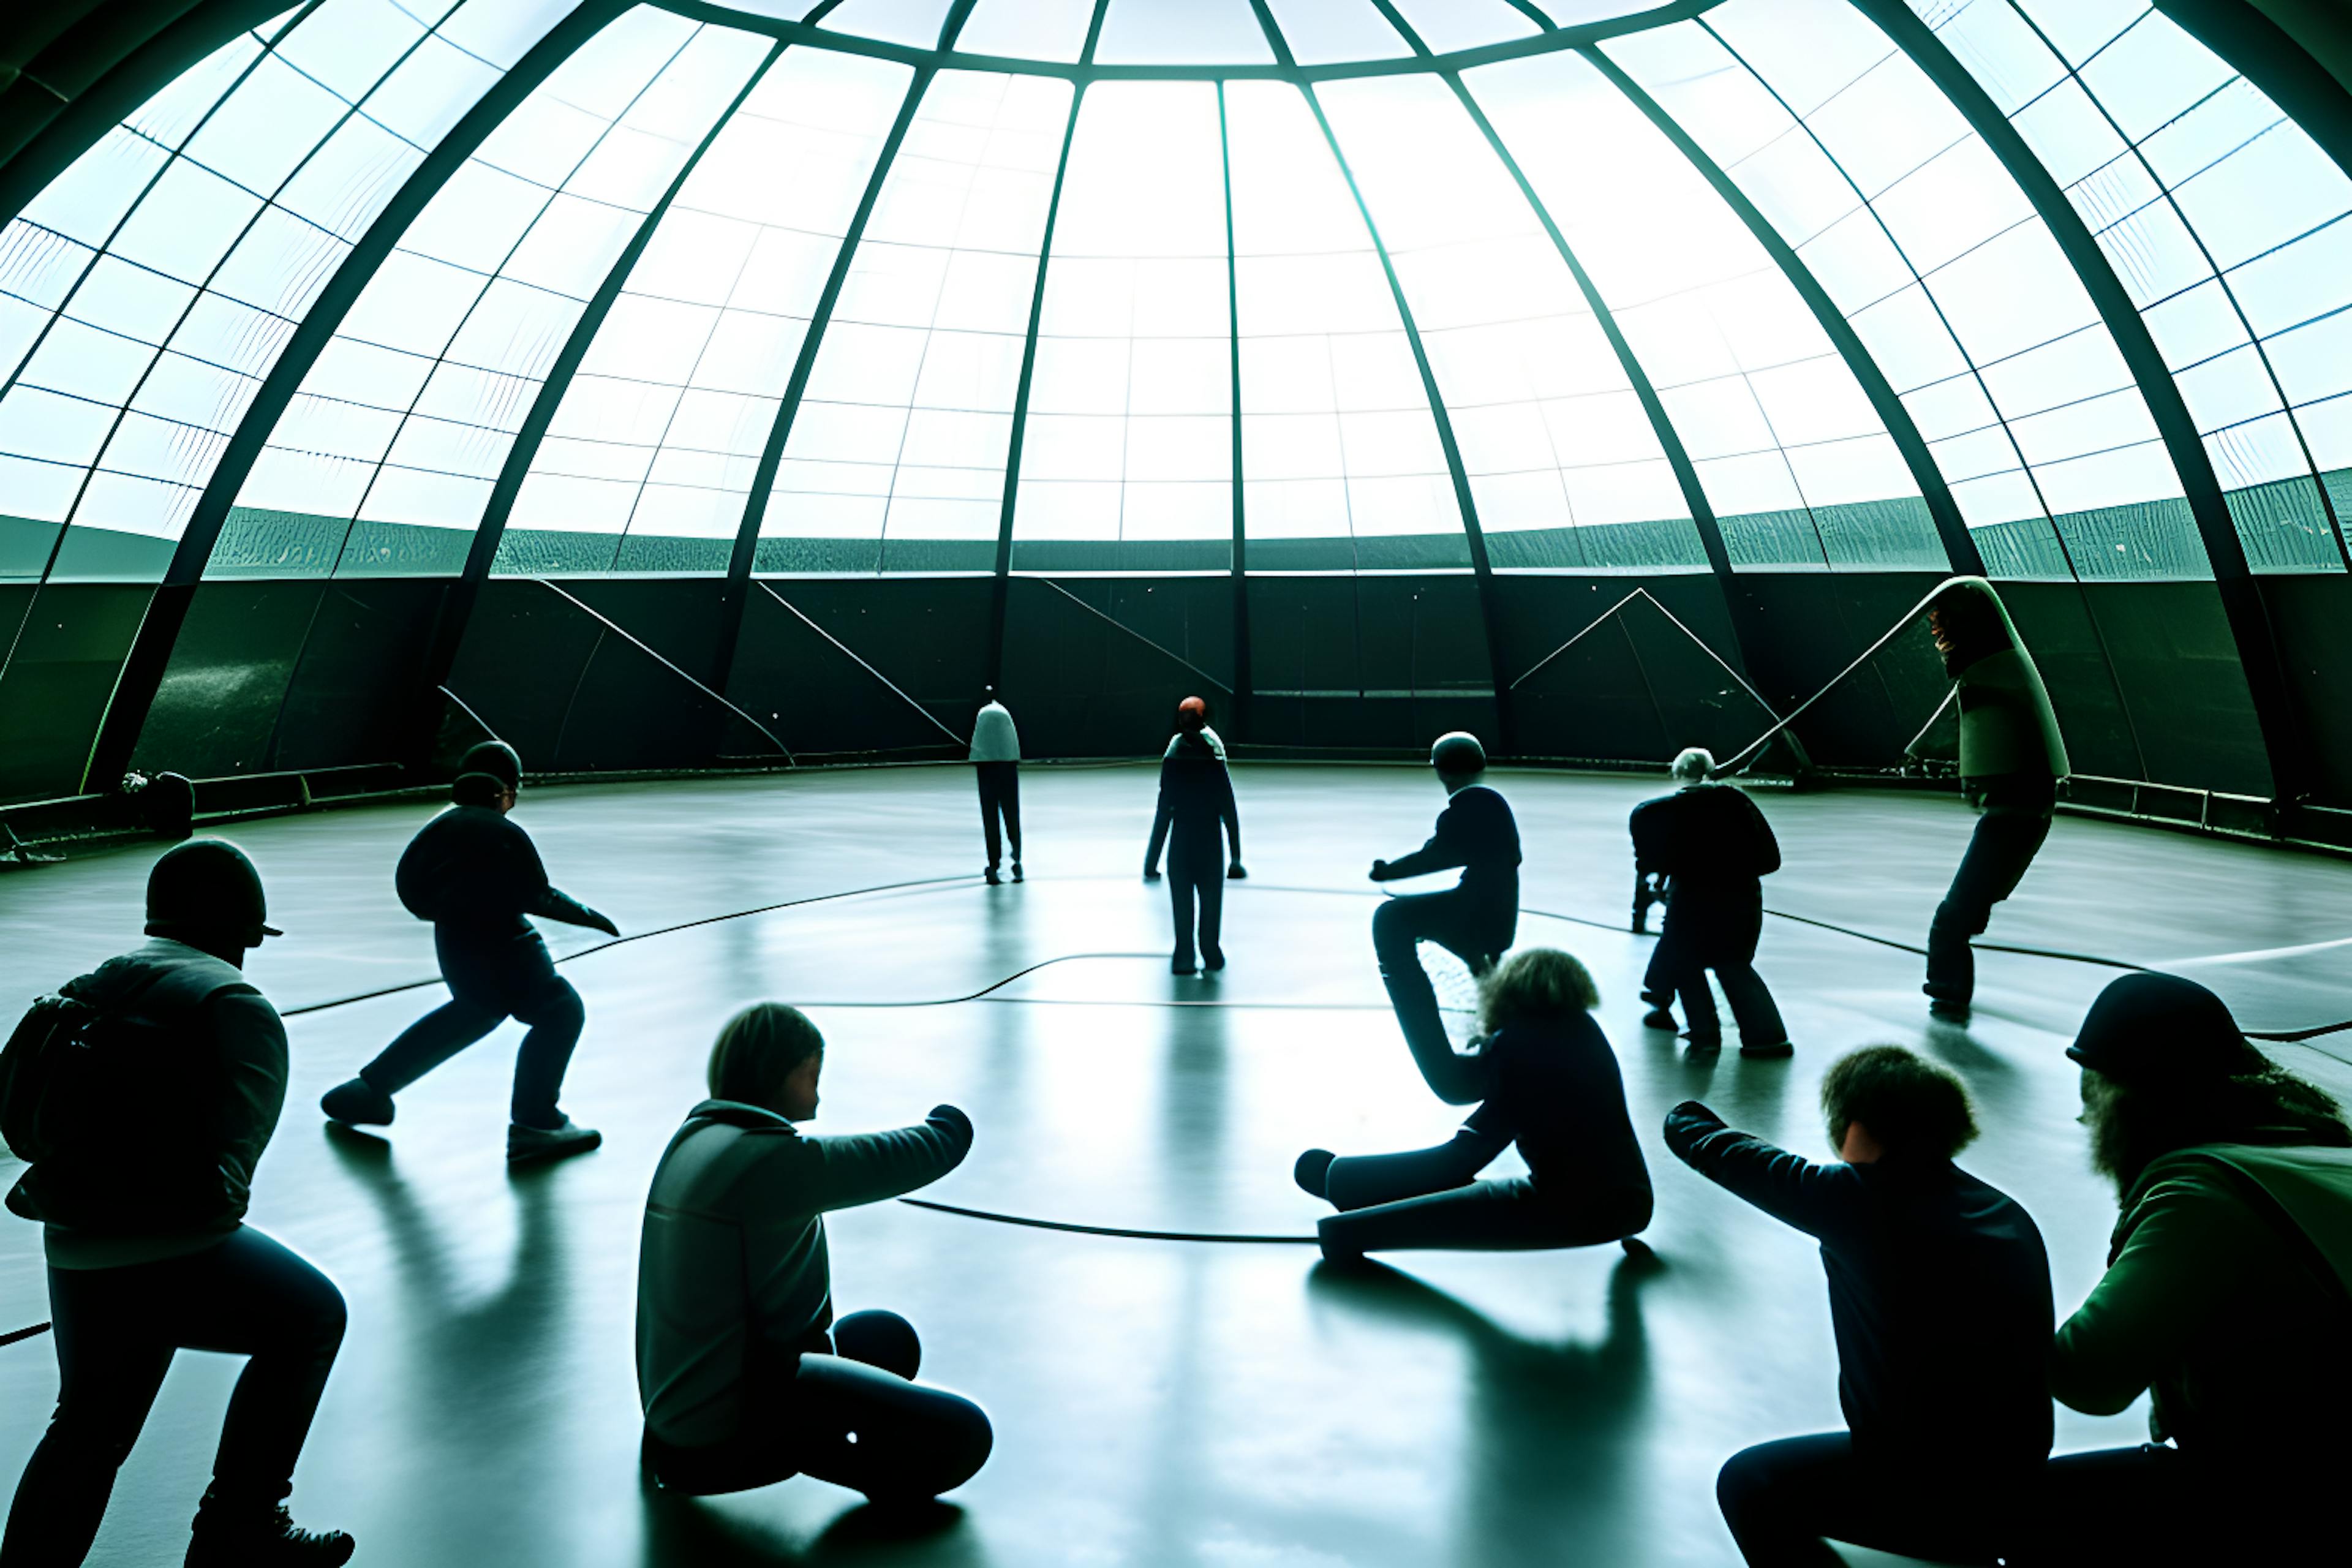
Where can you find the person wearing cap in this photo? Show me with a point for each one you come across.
(2011, 759)
(1939, 1299)
(1474, 920)
(2227, 1296)
(996, 764)
(1196, 800)
(1716, 848)
(476, 874)
(147, 1247)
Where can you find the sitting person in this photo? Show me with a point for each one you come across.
(1716, 848)
(744, 1376)
(1939, 1295)
(2225, 1296)
(1544, 1078)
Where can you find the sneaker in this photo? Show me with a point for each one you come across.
(1780, 1048)
(1950, 1012)
(1212, 961)
(993, 879)
(357, 1103)
(1016, 871)
(264, 1540)
(1180, 967)
(1705, 1042)
(1658, 1018)
(527, 1145)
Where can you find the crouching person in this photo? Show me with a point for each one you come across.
(744, 1374)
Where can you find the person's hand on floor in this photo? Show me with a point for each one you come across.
(1379, 871)
(1236, 873)
(1151, 873)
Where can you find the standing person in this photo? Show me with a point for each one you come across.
(1196, 798)
(474, 874)
(1474, 920)
(1939, 1295)
(744, 1376)
(143, 1225)
(1208, 730)
(2227, 1297)
(996, 763)
(2011, 759)
(1713, 843)
(1543, 1077)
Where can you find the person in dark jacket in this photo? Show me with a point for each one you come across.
(2227, 1297)
(1196, 799)
(1474, 920)
(476, 874)
(1716, 848)
(2012, 759)
(1940, 1296)
(744, 1376)
(1543, 1077)
(149, 1252)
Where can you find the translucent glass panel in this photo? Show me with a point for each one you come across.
(1448, 24)
(1029, 29)
(1795, 462)
(2224, 221)
(1320, 31)
(915, 23)
(393, 445)
(1950, 279)
(1126, 463)
(1342, 465)
(651, 456)
(895, 461)
(1182, 32)
(1564, 465)
(148, 291)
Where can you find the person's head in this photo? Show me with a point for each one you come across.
(1535, 986)
(1965, 619)
(206, 894)
(2166, 1067)
(1191, 715)
(770, 1056)
(496, 761)
(1883, 1102)
(1459, 760)
(1691, 765)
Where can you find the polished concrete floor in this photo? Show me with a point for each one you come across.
(1157, 1402)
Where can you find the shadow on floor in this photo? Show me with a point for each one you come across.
(708, 1534)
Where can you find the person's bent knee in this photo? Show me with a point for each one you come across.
(966, 1439)
(881, 1340)
(1744, 1484)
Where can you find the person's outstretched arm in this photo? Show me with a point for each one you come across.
(1160, 822)
(867, 1167)
(1791, 1188)
(1447, 847)
(537, 896)
(1457, 1078)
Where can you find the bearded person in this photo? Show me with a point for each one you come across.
(2227, 1296)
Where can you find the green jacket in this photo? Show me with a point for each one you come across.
(2229, 1295)
(2007, 725)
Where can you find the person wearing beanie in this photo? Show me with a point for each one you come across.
(996, 764)
(1939, 1301)
(2012, 761)
(142, 1221)
(476, 874)
(1474, 920)
(2227, 1296)
(1196, 800)
(1716, 848)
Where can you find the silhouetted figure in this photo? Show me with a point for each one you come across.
(1543, 1077)
(1939, 1295)
(1196, 802)
(2227, 1297)
(1713, 843)
(167, 803)
(143, 1208)
(1474, 920)
(744, 1376)
(1208, 730)
(476, 874)
(996, 763)
(2011, 759)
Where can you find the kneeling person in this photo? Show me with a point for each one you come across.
(743, 1373)
(1547, 1081)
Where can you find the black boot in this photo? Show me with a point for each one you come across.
(253, 1537)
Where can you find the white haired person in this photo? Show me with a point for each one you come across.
(1716, 848)
(997, 765)
(1544, 1078)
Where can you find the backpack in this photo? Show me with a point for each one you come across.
(48, 1073)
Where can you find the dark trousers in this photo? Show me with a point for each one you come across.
(1000, 797)
(1430, 1198)
(116, 1331)
(1709, 930)
(1780, 1499)
(2002, 847)
(1196, 891)
(492, 979)
(855, 1418)
(2153, 1506)
(1464, 928)
(1658, 975)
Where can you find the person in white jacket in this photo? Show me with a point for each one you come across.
(996, 762)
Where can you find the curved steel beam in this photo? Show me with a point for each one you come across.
(2258, 657)
(2272, 58)
(1241, 686)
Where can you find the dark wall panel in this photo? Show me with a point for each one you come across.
(70, 641)
(675, 616)
(1359, 663)
(2310, 616)
(1081, 685)
(2178, 666)
(1812, 625)
(359, 684)
(923, 636)
(2057, 621)
(216, 711)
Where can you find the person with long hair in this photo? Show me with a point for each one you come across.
(2227, 1297)
(1542, 1076)
(744, 1374)
(1940, 1298)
